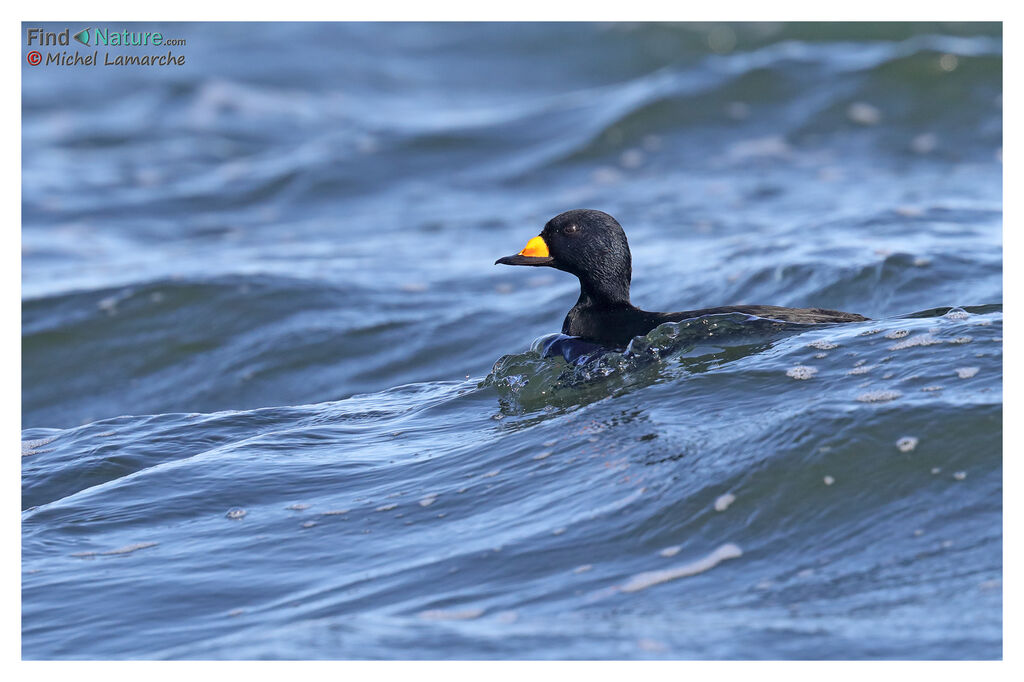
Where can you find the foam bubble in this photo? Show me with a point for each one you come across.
(864, 114)
(878, 396)
(642, 581)
(801, 372)
(32, 447)
(906, 443)
(723, 502)
(919, 340)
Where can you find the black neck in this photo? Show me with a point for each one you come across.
(604, 295)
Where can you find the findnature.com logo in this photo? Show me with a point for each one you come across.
(101, 37)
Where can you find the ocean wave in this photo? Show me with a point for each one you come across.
(650, 491)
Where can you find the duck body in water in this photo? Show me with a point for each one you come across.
(592, 245)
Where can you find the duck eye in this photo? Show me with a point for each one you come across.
(572, 228)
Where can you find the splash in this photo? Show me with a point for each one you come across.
(561, 370)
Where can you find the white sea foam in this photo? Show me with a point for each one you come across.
(878, 396)
(906, 444)
(801, 372)
(723, 502)
(642, 581)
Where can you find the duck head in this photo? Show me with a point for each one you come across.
(589, 244)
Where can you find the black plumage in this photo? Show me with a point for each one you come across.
(592, 245)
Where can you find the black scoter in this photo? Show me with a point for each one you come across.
(592, 245)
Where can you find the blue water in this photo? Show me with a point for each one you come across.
(278, 402)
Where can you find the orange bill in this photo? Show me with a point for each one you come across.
(534, 253)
